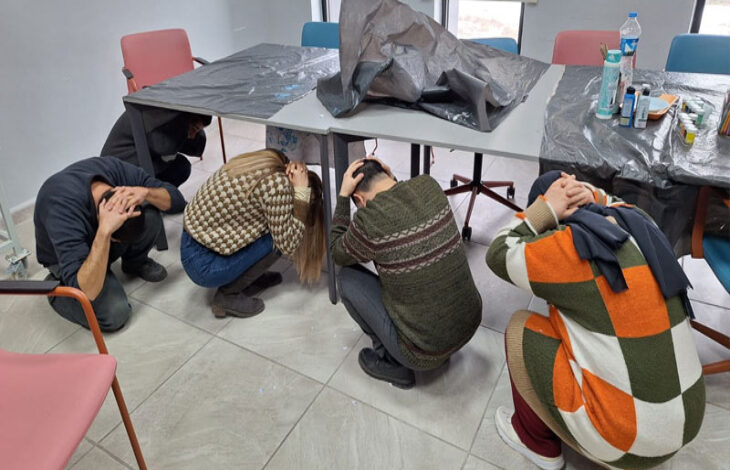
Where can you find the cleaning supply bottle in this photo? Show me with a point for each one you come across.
(627, 108)
(607, 99)
(642, 108)
(630, 32)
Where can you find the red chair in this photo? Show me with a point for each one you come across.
(583, 47)
(48, 401)
(155, 56)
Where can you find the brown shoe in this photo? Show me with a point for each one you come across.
(236, 305)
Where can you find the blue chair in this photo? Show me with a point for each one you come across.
(699, 53)
(321, 34)
(506, 44)
(716, 251)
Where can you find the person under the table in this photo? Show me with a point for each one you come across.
(613, 370)
(90, 214)
(171, 136)
(254, 208)
(423, 305)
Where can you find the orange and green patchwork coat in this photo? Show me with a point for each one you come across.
(618, 372)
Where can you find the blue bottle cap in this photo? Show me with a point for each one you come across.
(614, 56)
(633, 14)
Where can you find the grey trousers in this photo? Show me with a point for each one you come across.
(111, 305)
(362, 296)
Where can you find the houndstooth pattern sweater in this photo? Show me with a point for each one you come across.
(228, 213)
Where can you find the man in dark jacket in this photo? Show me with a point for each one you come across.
(90, 214)
(170, 137)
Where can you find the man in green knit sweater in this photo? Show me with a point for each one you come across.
(423, 305)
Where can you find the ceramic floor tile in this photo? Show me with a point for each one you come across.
(447, 402)
(191, 186)
(235, 127)
(710, 449)
(84, 448)
(30, 325)
(226, 408)
(706, 286)
(339, 432)
(180, 297)
(473, 463)
(717, 385)
(98, 459)
(149, 349)
(487, 218)
(522, 172)
(300, 328)
(500, 299)
(447, 162)
(539, 305)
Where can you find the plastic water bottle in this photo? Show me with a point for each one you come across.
(607, 99)
(630, 32)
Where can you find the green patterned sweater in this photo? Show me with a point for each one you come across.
(410, 234)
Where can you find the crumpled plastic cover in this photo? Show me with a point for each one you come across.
(255, 82)
(393, 54)
(650, 167)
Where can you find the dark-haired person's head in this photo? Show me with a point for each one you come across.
(373, 175)
(132, 229)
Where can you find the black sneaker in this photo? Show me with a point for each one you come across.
(149, 270)
(381, 369)
(263, 282)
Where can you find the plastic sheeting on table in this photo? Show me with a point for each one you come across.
(649, 167)
(393, 54)
(256, 82)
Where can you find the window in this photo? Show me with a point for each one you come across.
(715, 17)
(483, 19)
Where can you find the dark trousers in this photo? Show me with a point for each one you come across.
(111, 305)
(362, 296)
(176, 172)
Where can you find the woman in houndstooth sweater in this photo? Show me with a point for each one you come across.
(256, 207)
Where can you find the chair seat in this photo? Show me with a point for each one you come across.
(47, 403)
(717, 255)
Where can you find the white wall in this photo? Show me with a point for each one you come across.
(660, 21)
(60, 79)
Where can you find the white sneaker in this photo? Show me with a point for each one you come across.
(503, 420)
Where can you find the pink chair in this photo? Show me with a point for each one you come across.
(584, 47)
(155, 56)
(48, 401)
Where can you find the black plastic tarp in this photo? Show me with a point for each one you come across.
(650, 167)
(256, 82)
(391, 53)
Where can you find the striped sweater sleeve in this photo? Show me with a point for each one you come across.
(285, 211)
(348, 243)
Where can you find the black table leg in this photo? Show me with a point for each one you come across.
(143, 156)
(415, 160)
(326, 190)
(342, 158)
(426, 159)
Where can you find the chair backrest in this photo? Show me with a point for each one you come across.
(321, 34)
(505, 44)
(584, 47)
(699, 53)
(155, 56)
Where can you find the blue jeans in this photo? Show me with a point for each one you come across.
(209, 269)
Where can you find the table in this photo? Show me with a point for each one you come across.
(213, 90)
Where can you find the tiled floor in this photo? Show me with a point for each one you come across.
(283, 390)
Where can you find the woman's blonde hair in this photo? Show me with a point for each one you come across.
(309, 256)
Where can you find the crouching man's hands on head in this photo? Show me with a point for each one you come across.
(126, 197)
(566, 195)
(112, 215)
(349, 183)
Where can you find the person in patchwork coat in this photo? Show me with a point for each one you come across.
(612, 371)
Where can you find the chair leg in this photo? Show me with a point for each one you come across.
(502, 200)
(716, 368)
(223, 144)
(714, 335)
(128, 424)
